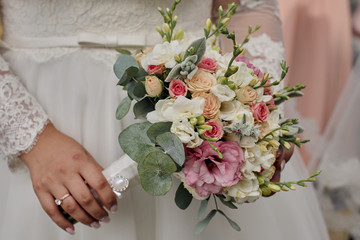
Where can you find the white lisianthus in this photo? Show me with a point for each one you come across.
(162, 53)
(223, 92)
(169, 111)
(210, 53)
(246, 190)
(244, 110)
(181, 177)
(266, 158)
(229, 110)
(273, 120)
(247, 142)
(186, 133)
(223, 62)
(261, 96)
(243, 76)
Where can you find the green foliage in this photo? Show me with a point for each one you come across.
(233, 224)
(202, 208)
(142, 108)
(172, 146)
(158, 128)
(229, 204)
(200, 226)
(197, 48)
(135, 143)
(182, 197)
(155, 173)
(125, 64)
(123, 108)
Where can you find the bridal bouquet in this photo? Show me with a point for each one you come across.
(211, 118)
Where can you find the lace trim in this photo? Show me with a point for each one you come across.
(21, 118)
(252, 4)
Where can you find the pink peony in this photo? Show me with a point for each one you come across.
(260, 111)
(208, 64)
(207, 173)
(153, 69)
(177, 88)
(242, 58)
(217, 129)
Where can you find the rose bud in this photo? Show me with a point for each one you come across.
(153, 86)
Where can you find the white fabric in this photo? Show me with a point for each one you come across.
(76, 88)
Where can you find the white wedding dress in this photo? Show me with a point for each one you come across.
(62, 52)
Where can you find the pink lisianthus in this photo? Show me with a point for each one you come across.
(177, 88)
(208, 64)
(153, 69)
(207, 173)
(242, 58)
(216, 131)
(260, 111)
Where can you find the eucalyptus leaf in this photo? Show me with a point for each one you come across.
(125, 64)
(123, 51)
(226, 203)
(142, 108)
(139, 90)
(233, 224)
(202, 208)
(155, 173)
(130, 89)
(123, 108)
(124, 80)
(173, 146)
(158, 128)
(199, 46)
(200, 226)
(141, 74)
(134, 141)
(182, 197)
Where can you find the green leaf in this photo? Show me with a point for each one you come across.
(200, 226)
(155, 173)
(125, 64)
(139, 90)
(174, 73)
(123, 51)
(202, 208)
(134, 141)
(233, 224)
(226, 203)
(199, 47)
(158, 128)
(182, 197)
(142, 108)
(141, 74)
(130, 89)
(124, 80)
(123, 108)
(172, 146)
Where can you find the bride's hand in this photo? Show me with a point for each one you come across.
(58, 166)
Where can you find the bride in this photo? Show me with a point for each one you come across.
(58, 98)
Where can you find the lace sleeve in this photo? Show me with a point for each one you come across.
(21, 118)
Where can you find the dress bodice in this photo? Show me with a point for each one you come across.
(128, 19)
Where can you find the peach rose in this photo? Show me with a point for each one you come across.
(212, 104)
(246, 94)
(201, 81)
(153, 86)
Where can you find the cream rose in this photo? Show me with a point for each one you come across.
(246, 94)
(201, 81)
(153, 86)
(212, 104)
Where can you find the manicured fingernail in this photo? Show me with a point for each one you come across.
(95, 225)
(70, 231)
(113, 208)
(105, 219)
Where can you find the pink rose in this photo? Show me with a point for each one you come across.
(216, 131)
(271, 104)
(152, 69)
(207, 173)
(260, 111)
(208, 64)
(177, 88)
(242, 58)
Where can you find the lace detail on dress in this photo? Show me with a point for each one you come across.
(252, 4)
(21, 120)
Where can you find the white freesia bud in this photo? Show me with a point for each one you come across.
(159, 30)
(274, 187)
(208, 25)
(166, 27)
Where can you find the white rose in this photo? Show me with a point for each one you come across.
(169, 111)
(186, 133)
(223, 92)
(181, 177)
(162, 53)
(244, 110)
(229, 110)
(243, 76)
(246, 190)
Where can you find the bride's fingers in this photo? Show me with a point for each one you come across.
(49, 206)
(81, 193)
(70, 206)
(96, 180)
